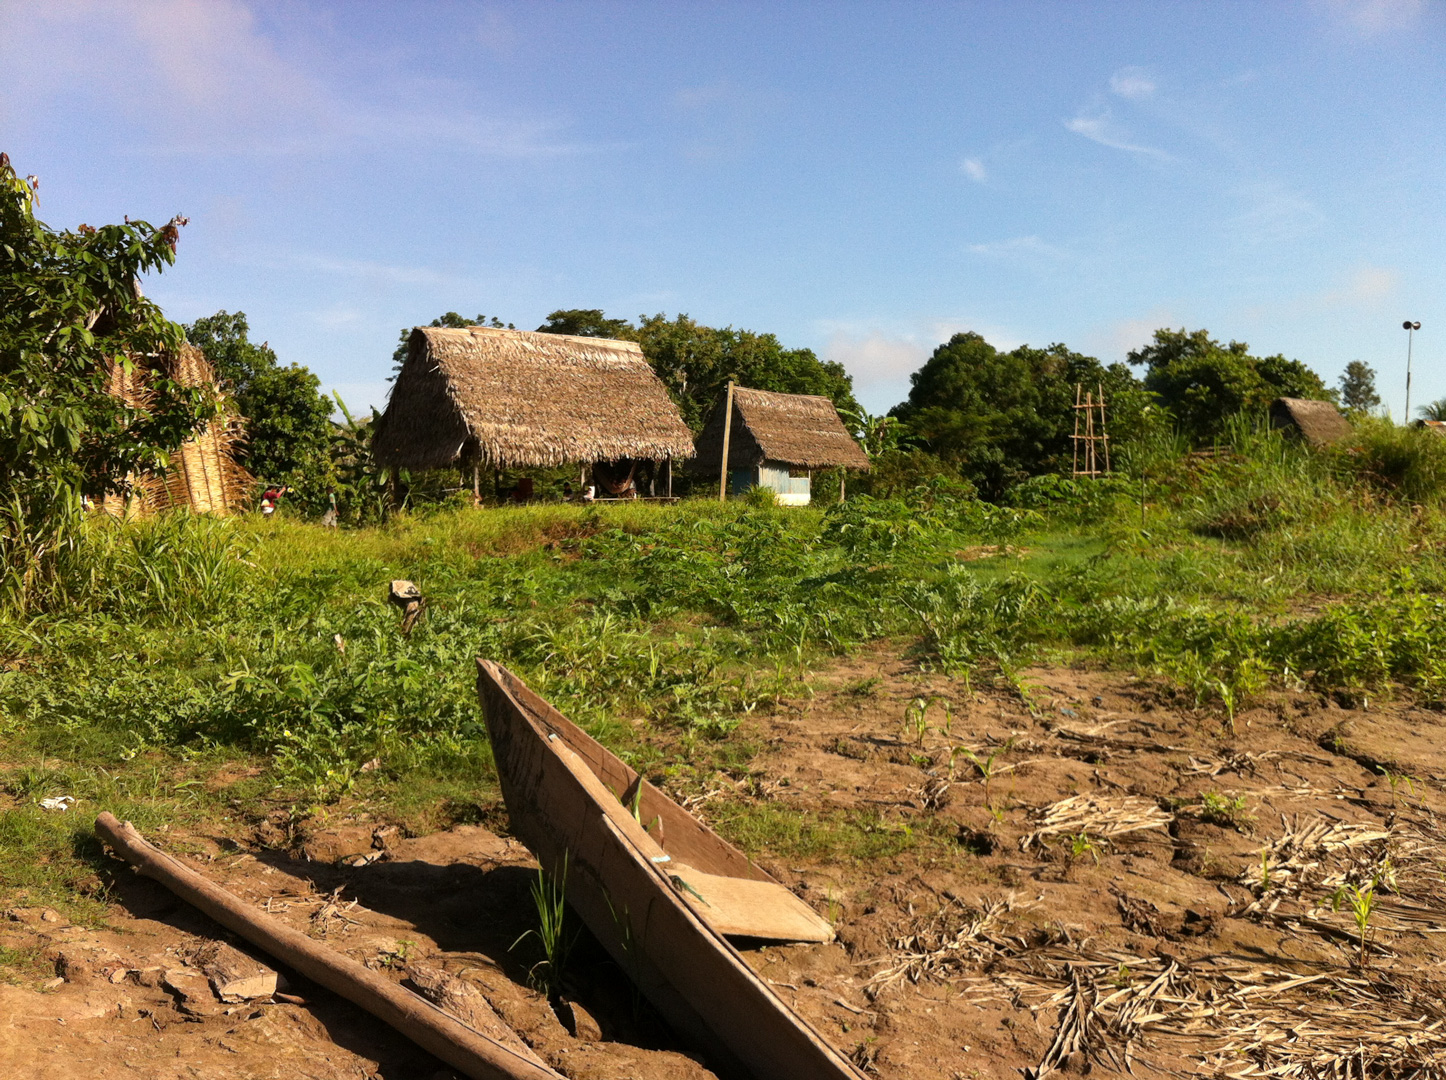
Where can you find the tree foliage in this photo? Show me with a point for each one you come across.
(696, 362)
(70, 307)
(1203, 383)
(1358, 387)
(1000, 417)
(288, 418)
(588, 322)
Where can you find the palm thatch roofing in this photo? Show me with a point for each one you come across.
(512, 398)
(800, 430)
(1319, 423)
(203, 474)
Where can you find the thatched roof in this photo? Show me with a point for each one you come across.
(513, 398)
(801, 430)
(203, 473)
(1319, 423)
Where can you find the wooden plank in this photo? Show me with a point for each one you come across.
(470, 1052)
(685, 967)
(744, 908)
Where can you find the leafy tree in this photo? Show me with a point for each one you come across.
(695, 361)
(1203, 382)
(70, 309)
(452, 321)
(588, 322)
(288, 418)
(1358, 387)
(1001, 417)
(876, 435)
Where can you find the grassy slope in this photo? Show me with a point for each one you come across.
(202, 669)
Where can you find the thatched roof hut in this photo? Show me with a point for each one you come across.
(512, 398)
(800, 431)
(203, 474)
(1319, 423)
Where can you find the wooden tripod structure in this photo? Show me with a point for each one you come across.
(1091, 440)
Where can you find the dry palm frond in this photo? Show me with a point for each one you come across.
(1332, 1026)
(1095, 817)
(1105, 999)
(1315, 859)
(944, 943)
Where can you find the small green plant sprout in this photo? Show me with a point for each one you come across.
(1363, 906)
(984, 766)
(1217, 808)
(1265, 877)
(916, 718)
(1227, 698)
(1082, 844)
(1396, 780)
(835, 906)
(397, 955)
(549, 897)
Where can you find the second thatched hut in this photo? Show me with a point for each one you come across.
(1318, 423)
(479, 397)
(776, 441)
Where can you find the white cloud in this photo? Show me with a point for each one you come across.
(1026, 249)
(338, 316)
(363, 269)
(1274, 213)
(202, 77)
(1371, 17)
(1364, 288)
(974, 169)
(1101, 128)
(1132, 82)
(882, 359)
(1114, 341)
(1367, 286)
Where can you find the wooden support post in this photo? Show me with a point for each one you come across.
(670, 476)
(727, 433)
(476, 483)
(842, 476)
(484, 1055)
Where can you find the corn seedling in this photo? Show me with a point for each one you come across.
(916, 718)
(1396, 780)
(1363, 906)
(549, 897)
(1080, 845)
(1229, 813)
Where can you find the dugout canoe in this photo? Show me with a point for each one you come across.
(660, 890)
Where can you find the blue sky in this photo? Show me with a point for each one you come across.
(860, 179)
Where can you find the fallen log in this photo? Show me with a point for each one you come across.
(471, 1052)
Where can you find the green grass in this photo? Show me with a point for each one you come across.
(189, 669)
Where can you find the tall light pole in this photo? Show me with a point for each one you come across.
(1410, 328)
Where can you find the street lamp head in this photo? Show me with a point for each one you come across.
(1409, 325)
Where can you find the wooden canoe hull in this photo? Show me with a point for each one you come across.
(561, 790)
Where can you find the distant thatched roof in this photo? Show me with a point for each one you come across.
(203, 473)
(1319, 423)
(514, 398)
(801, 430)
(1435, 427)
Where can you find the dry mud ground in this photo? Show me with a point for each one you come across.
(1131, 885)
